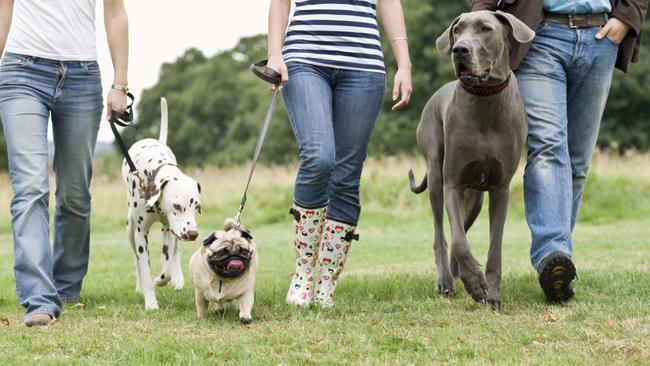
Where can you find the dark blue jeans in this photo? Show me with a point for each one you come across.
(564, 81)
(332, 113)
(31, 91)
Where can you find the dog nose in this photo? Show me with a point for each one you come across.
(192, 234)
(460, 50)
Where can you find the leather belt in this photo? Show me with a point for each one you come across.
(577, 20)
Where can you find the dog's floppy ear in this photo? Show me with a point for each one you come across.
(446, 39)
(246, 234)
(212, 237)
(153, 190)
(520, 31)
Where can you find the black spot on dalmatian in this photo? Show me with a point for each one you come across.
(166, 252)
(145, 172)
(138, 228)
(133, 184)
(146, 239)
(135, 204)
(175, 178)
(191, 200)
(162, 276)
(140, 249)
(159, 161)
(149, 161)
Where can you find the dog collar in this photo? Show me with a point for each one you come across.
(483, 91)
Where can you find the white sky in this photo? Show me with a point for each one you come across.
(160, 30)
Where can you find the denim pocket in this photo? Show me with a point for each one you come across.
(91, 68)
(13, 60)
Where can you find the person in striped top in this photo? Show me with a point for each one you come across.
(333, 81)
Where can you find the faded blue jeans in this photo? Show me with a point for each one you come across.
(332, 113)
(31, 91)
(564, 81)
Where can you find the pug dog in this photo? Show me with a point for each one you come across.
(224, 269)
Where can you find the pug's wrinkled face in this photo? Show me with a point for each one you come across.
(229, 252)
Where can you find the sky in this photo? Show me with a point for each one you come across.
(161, 30)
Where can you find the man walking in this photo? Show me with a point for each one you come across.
(564, 76)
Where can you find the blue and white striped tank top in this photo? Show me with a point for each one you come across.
(341, 34)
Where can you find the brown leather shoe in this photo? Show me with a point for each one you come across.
(40, 319)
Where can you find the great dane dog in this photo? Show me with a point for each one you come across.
(472, 133)
(169, 197)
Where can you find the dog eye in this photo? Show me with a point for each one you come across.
(486, 29)
(222, 252)
(243, 251)
(455, 31)
(177, 207)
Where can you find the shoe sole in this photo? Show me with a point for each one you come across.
(556, 277)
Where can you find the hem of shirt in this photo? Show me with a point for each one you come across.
(49, 56)
(311, 62)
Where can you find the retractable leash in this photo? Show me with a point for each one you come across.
(125, 119)
(272, 77)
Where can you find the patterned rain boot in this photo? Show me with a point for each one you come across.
(308, 230)
(333, 250)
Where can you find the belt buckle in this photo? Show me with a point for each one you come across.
(571, 25)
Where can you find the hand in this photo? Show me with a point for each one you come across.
(402, 85)
(277, 63)
(116, 101)
(615, 30)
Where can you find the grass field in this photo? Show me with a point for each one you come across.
(387, 311)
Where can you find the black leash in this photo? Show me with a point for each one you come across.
(272, 77)
(125, 119)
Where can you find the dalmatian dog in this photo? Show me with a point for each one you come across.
(166, 195)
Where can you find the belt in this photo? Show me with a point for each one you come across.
(577, 20)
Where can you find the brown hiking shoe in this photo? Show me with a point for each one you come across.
(40, 319)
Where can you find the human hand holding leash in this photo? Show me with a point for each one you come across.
(116, 101)
(276, 63)
(614, 29)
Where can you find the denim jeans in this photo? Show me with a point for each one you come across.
(332, 113)
(564, 81)
(31, 90)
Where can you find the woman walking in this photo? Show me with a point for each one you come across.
(49, 70)
(334, 84)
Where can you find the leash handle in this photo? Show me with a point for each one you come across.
(124, 119)
(269, 75)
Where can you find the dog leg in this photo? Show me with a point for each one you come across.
(178, 281)
(444, 277)
(166, 274)
(141, 242)
(470, 273)
(130, 233)
(498, 210)
(201, 305)
(246, 307)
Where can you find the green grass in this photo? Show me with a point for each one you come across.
(387, 311)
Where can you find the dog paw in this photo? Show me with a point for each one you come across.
(245, 319)
(475, 285)
(445, 284)
(162, 280)
(151, 305)
(178, 283)
(495, 303)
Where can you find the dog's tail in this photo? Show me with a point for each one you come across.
(163, 121)
(417, 189)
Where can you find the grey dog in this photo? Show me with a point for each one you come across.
(472, 133)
